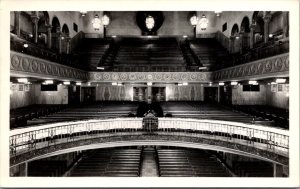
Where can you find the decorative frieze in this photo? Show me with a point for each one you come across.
(268, 67)
(150, 76)
(35, 67)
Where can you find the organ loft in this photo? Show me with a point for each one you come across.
(149, 94)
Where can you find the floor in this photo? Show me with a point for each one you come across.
(149, 164)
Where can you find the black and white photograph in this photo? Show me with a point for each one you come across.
(106, 95)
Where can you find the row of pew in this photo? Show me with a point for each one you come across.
(100, 110)
(189, 163)
(20, 116)
(109, 163)
(202, 110)
(280, 117)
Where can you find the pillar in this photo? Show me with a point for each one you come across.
(219, 94)
(17, 23)
(285, 16)
(267, 19)
(49, 37)
(68, 44)
(232, 38)
(149, 92)
(35, 20)
(252, 28)
(240, 41)
(59, 35)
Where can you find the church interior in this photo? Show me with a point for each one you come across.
(149, 94)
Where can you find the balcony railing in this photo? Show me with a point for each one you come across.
(264, 138)
(40, 51)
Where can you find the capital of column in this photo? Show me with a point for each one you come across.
(49, 27)
(267, 18)
(35, 19)
(252, 27)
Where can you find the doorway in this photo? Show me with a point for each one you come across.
(211, 94)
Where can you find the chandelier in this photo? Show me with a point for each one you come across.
(96, 22)
(150, 22)
(105, 20)
(203, 22)
(194, 20)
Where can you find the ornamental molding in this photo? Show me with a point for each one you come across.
(150, 76)
(26, 65)
(264, 68)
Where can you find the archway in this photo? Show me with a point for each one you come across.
(258, 23)
(55, 32)
(235, 47)
(245, 34)
(43, 25)
(65, 39)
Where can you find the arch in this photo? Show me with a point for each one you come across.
(55, 25)
(65, 29)
(245, 25)
(234, 30)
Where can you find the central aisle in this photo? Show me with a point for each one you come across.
(149, 163)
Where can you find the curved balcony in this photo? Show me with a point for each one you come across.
(256, 141)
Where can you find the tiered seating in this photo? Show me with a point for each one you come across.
(20, 116)
(253, 169)
(137, 54)
(201, 110)
(92, 51)
(189, 163)
(109, 163)
(100, 110)
(47, 168)
(279, 116)
(209, 52)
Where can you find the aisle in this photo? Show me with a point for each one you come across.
(149, 164)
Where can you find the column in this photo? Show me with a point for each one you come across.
(232, 38)
(49, 38)
(35, 20)
(68, 44)
(59, 35)
(240, 41)
(267, 19)
(219, 94)
(17, 23)
(252, 28)
(149, 92)
(285, 26)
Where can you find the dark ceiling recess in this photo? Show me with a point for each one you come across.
(141, 18)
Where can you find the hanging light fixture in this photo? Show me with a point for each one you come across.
(105, 20)
(218, 13)
(203, 22)
(194, 20)
(150, 22)
(96, 22)
(83, 13)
